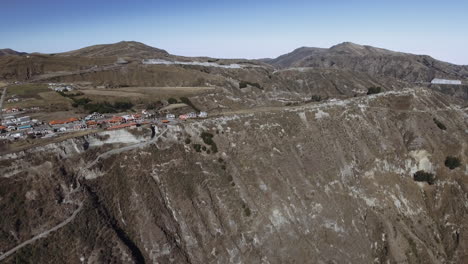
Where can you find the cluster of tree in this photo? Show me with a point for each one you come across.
(422, 176)
(208, 139)
(452, 162)
(374, 90)
(69, 95)
(106, 107)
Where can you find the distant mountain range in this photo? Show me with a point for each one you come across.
(5, 52)
(371, 60)
(345, 56)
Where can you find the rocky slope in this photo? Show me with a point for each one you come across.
(328, 182)
(371, 60)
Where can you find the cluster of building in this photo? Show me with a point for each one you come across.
(16, 110)
(60, 87)
(14, 128)
(188, 116)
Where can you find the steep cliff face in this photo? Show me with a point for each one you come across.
(326, 182)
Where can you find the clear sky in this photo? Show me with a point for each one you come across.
(238, 28)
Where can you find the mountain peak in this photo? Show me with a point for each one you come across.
(132, 49)
(351, 48)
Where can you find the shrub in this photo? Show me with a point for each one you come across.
(81, 101)
(374, 90)
(452, 162)
(187, 141)
(422, 176)
(439, 124)
(123, 105)
(197, 147)
(243, 84)
(154, 105)
(316, 98)
(187, 101)
(208, 139)
(172, 100)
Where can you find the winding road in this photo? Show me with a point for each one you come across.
(42, 235)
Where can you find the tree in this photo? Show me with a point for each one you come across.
(452, 162)
(374, 90)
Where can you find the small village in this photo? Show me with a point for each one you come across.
(17, 124)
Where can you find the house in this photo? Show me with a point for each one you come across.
(170, 116)
(24, 127)
(23, 119)
(93, 116)
(203, 114)
(16, 135)
(183, 117)
(192, 115)
(62, 122)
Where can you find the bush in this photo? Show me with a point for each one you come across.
(243, 84)
(422, 176)
(81, 101)
(208, 139)
(104, 107)
(439, 124)
(316, 98)
(197, 147)
(172, 100)
(452, 162)
(187, 101)
(187, 141)
(154, 105)
(374, 90)
(123, 105)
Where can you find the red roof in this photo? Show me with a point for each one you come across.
(121, 126)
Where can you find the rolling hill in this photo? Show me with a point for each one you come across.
(131, 49)
(5, 52)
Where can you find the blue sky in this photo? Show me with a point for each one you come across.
(234, 29)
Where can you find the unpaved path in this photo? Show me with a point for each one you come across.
(2, 99)
(126, 148)
(43, 234)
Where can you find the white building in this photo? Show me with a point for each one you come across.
(203, 114)
(192, 115)
(170, 116)
(445, 81)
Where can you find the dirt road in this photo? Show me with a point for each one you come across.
(42, 235)
(2, 99)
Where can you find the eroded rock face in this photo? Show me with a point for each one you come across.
(321, 183)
